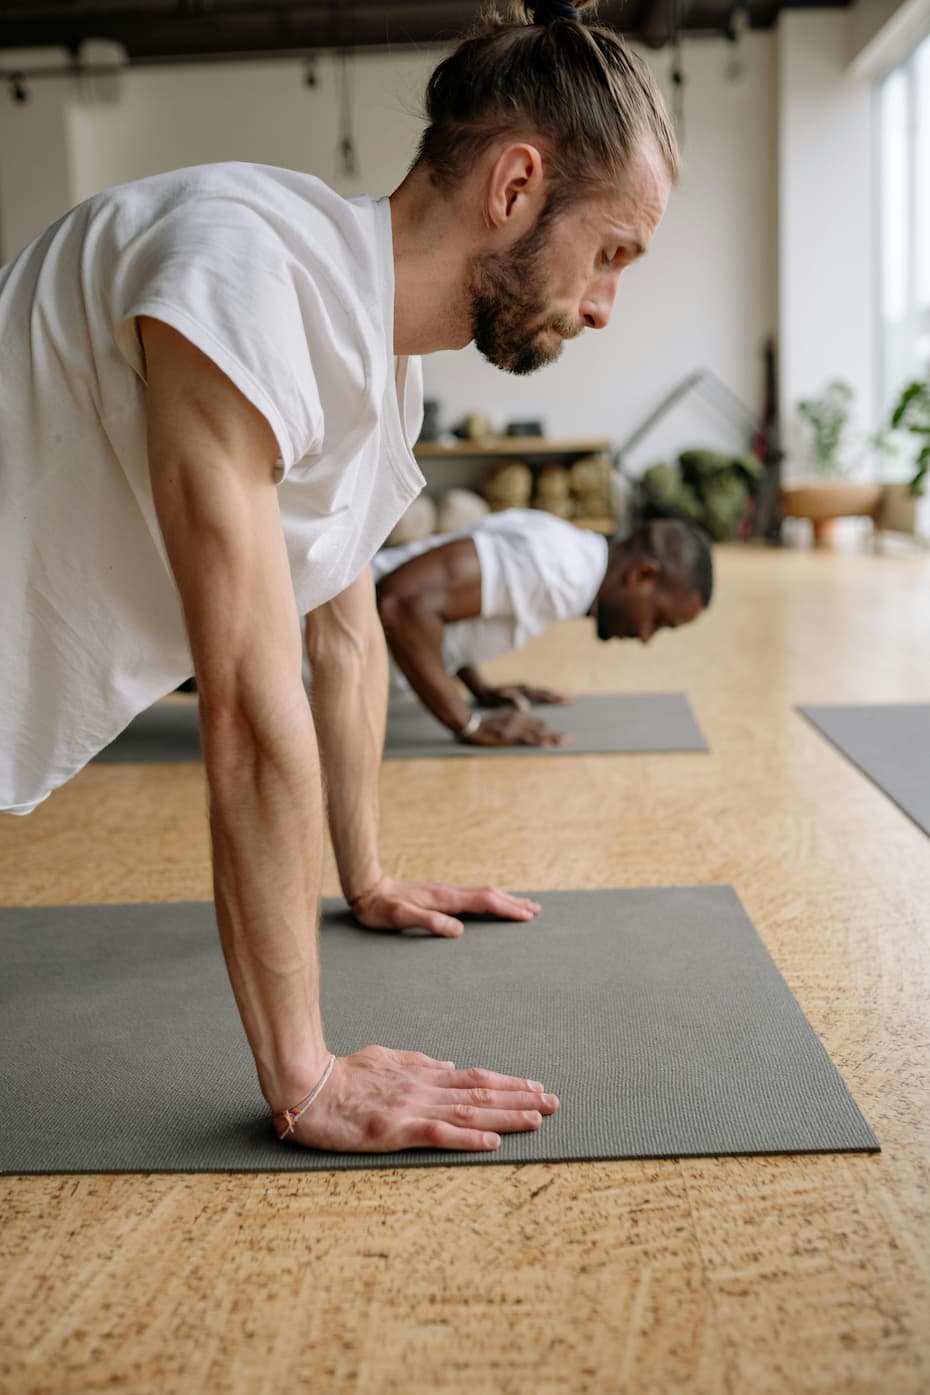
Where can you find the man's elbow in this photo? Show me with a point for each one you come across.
(391, 608)
(339, 643)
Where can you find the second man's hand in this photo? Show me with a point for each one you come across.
(434, 906)
(520, 695)
(513, 726)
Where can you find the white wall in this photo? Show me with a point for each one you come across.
(259, 111)
(35, 159)
(705, 295)
(826, 213)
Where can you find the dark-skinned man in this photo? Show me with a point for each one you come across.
(451, 601)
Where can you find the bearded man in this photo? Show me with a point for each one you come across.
(208, 396)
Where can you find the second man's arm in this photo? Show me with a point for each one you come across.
(416, 602)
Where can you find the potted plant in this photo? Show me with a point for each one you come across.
(910, 418)
(828, 418)
(831, 494)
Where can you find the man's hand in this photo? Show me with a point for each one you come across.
(519, 695)
(433, 906)
(516, 727)
(378, 1101)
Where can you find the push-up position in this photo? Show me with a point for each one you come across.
(207, 401)
(451, 601)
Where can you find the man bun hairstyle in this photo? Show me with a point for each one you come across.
(542, 73)
(548, 11)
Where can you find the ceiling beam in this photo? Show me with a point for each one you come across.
(173, 30)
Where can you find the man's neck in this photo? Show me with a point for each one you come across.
(432, 258)
(616, 551)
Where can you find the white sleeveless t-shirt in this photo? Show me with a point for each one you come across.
(289, 289)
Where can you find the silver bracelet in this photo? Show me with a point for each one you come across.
(292, 1115)
(470, 727)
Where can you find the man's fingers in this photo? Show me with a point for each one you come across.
(438, 904)
(548, 697)
(476, 1078)
(509, 1100)
(477, 899)
(439, 1133)
(538, 734)
(469, 1116)
(490, 900)
(409, 916)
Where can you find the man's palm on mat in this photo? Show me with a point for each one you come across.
(399, 905)
(380, 1101)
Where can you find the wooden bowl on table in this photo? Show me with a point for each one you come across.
(824, 501)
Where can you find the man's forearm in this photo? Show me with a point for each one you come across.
(414, 634)
(266, 828)
(347, 653)
(473, 681)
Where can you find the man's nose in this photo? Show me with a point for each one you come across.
(598, 302)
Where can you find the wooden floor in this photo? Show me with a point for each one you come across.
(746, 1276)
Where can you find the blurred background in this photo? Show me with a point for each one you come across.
(783, 310)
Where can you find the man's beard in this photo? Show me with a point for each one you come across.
(510, 305)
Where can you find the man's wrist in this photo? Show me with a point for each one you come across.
(470, 727)
(285, 1081)
(364, 888)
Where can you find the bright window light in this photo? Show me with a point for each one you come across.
(922, 173)
(895, 200)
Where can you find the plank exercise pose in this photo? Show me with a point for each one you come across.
(453, 600)
(207, 397)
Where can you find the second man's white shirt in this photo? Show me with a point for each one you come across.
(535, 569)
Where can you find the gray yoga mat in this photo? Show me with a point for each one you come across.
(166, 732)
(656, 1015)
(890, 743)
(599, 723)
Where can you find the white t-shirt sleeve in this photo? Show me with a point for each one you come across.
(219, 274)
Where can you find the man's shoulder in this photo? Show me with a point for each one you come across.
(295, 211)
(230, 178)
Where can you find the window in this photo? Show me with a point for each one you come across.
(904, 229)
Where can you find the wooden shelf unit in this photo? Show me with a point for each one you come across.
(534, 449)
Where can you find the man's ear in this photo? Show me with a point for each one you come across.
(514, 189)
(641, 576)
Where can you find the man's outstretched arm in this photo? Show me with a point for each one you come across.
(211, 458)
(416, 602)
(348, 657)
